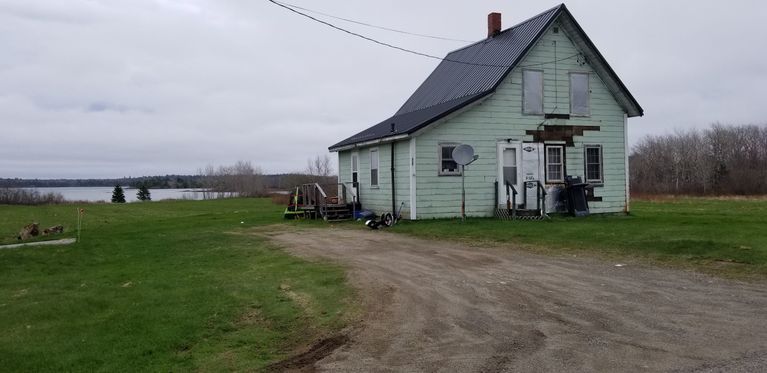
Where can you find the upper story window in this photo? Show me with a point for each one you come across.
(579, 94)
(532, 92)
(374, 168)
(555, 163)
(447, 166)
(593, 163)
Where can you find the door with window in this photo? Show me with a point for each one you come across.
(509, 156)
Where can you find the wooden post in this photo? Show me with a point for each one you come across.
(463, 193)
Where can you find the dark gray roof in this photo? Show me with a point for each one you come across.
(465, 76)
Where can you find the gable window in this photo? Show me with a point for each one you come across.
(555, 164)
(447, 166)
(579, 94)
(532, 91)
(374, 168)
(593, 162)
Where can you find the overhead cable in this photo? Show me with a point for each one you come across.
(406, 50)
(374, 26)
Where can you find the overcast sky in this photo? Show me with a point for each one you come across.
(115, 88)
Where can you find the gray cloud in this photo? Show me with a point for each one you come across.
(127, 88)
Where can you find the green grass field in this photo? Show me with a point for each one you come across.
(176, 286)
(723, 236)
(160, 286)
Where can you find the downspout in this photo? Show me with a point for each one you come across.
(393, 194)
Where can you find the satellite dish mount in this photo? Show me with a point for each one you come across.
(464, 155)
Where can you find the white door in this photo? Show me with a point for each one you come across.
(509, 156)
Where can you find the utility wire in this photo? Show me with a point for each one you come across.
(373, 26)
(385, 44)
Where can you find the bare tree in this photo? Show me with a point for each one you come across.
(319, 166)
(240, 179)
(719, 160)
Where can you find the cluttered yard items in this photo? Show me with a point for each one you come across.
(32, 230)
(387, 219)
(330, 202)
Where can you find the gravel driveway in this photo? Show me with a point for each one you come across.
(441, 306)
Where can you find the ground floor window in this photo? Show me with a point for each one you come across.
(593, 164)
(374, 167)
(555, 163)
(447, 166)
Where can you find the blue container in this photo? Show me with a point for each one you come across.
(364, 215)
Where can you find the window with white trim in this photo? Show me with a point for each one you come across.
(447, 165)
(532, 92)
(374, 168)
(555, 163)
(579, 94)
(593, 164)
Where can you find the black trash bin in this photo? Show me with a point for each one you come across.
(577, 204)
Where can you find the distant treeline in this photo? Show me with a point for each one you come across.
(152, 182)
(271, 182)
(720, 160)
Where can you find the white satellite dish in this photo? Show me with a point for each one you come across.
(464, 154)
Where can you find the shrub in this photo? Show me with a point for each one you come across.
(15, 196)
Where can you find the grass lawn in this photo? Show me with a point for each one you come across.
(723, 236)
(160, 286)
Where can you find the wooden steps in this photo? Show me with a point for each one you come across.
(336, 212)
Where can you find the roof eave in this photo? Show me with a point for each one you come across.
(382, 140)
(415, 129)
(636, 109)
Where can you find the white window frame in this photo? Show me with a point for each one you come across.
(561, 162)
(440, 171)
(586, 163)
(588, 94)
(376, 168)
(354, 155)
(524, 95)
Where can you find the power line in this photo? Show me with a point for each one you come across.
(406, 50)
(374, 26)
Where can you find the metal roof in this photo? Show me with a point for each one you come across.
(454, 85)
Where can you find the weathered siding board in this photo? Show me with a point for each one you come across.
(402, 176)
(500, 117)
(378, 198)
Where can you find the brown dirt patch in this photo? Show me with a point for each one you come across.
(446, 306)
(305, 361)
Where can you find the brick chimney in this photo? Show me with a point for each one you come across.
(493, 24)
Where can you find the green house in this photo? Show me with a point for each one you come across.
(537, 102)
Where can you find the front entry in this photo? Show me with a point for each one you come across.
(521, 165)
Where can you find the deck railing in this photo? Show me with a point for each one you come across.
(511, 199)
(319, 196)
(540, 196)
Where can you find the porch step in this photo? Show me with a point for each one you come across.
(337, 212)
(521, 214)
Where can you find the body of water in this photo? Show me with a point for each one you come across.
(96, 194)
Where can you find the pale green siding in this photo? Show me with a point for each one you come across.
(379, 199)
(344, 167)
(500, 117)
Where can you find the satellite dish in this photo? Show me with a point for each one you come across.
(464, 154)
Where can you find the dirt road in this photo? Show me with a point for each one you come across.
(440, 306)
